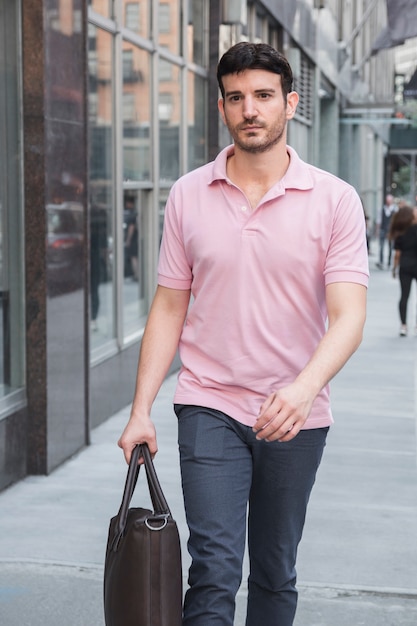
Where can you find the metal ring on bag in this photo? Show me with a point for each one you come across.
(164, 520)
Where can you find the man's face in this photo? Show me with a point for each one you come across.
(254, 109)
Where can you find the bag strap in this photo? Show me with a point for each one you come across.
(159, 502)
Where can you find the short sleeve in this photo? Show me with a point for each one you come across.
(174, 271)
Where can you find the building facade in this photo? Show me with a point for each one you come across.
(103, 105)
(401, 159)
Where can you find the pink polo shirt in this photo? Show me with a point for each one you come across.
(258, 280)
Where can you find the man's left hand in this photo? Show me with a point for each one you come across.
(283, 414)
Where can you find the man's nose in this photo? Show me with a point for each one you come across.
(249, 108)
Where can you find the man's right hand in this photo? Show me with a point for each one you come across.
(158, 348)
(137, 432)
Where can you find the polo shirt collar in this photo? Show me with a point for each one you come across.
(297, 176)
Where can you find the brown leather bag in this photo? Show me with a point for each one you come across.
(143, 574)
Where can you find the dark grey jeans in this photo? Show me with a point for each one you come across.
(224, 468)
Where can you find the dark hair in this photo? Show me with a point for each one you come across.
(400, 222)
(255, 56)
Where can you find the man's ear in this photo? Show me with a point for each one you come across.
(220, 106)
(292, 101)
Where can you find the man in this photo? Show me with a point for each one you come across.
(383, 224)
(269, 247)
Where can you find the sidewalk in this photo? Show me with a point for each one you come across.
(358, 559)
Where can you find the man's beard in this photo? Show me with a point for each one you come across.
(271, 139)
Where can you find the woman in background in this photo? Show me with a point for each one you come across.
(403, 233)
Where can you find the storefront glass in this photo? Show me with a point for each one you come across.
(197, 121)
(11, 209)
(136, 114)
(169, 115)
(197, 31)
(146, 113)
(102, 193)
(103, 7)
(170, 32)
(136, 17)
(137, 168)
(136, 218)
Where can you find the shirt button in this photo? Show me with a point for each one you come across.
(244, 208)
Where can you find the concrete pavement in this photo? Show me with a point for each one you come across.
(358, 560)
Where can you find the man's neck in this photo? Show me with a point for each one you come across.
(264, 167)
(256, 174)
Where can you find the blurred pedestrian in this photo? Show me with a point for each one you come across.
(403, 234)
(132, 236)
(98, 258)
(383, 222)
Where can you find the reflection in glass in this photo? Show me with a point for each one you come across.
(163, 197)
(403, 174)
(197, 120)
(136, 240)
(136, 16)
(169, 114)
(169, 25)
(136, 113)
(103, 7)
(11, 213)
(137, 160)
(64, 247)
(197, 29)
(101, 186)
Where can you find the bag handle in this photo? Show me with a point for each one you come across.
(159, 503)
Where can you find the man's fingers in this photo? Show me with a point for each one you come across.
(268, 412)
(280, 423)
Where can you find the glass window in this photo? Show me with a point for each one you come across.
(126, 233)
(137, 159)
(127, 64)
(103, 7)
(197, 31)
(259, 28)
(101, 187)
(136, 16)
(169, 115)
(129, 108)
(197, 121)
(136, 114)
(164, 17)
(136, 229)
(132, 16)
(275, 35)
(165, 70)
(169, 26)
(402, 176)
(11, 208)
(165, 106)
(163, 197)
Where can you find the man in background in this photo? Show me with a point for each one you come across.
(383, 222)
